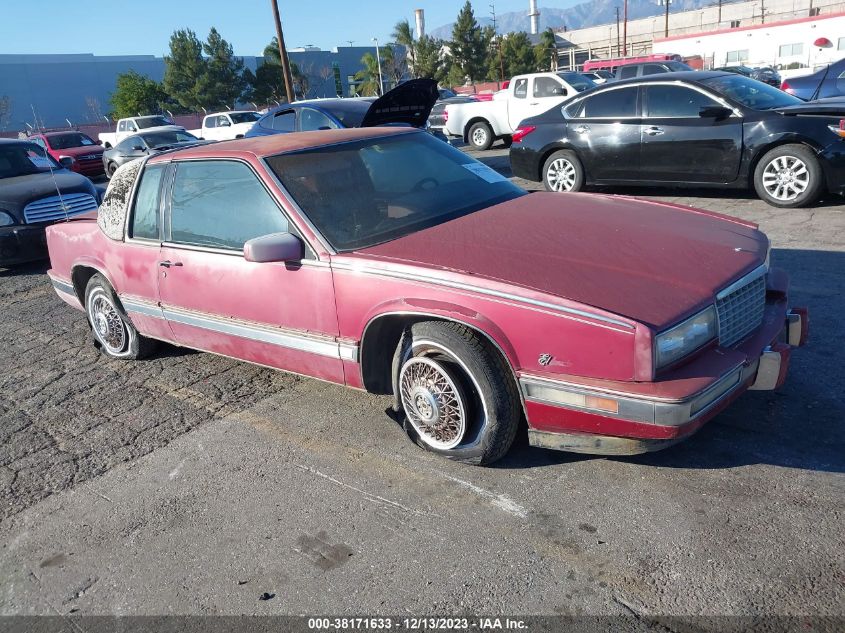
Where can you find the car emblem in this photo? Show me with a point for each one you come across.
(545, 359)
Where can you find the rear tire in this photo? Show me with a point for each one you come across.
(789, 176)
(457, 392)
(563, 172)
(114, 333)
(480, 136)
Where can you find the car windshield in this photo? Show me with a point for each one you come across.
(162, 139)
(244, 117)
(578, 81)
(23, 159)
(367, 192)
(151, 121)
(750, 92)
(350, 113)
(71, 139)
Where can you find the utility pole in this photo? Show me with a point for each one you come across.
(617, 32)
(762, 11)
(378, 61)
(666, 25)
(719, 19)
(283, 52)
(498, 44)
(625, 30)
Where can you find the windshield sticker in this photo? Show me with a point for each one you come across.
(40, 162)
(483, 171)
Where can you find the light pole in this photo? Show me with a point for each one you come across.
(378, 61)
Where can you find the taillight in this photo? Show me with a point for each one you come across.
(445, 114)
(839, 131)
(522, 131)
(787, 88)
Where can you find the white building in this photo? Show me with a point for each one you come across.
(786, 44)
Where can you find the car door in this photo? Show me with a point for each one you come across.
(209, 128)
(276, 314)
(604, 130)
(542, 94)
(679, 145)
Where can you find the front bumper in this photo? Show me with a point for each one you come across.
(598, 419)
(20, 244)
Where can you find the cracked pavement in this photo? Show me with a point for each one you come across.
(194, 484)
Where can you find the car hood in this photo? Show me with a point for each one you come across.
(85, 150)
(409, 103)
(651, 262)
(16, 193)
(830, 106)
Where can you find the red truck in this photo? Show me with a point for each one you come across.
(386, 260)
(85, 152)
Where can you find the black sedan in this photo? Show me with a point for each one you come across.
(35, 191)
(688, 129)
(144, 144)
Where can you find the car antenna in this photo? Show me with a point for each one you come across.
(52, 173)
(819, 87)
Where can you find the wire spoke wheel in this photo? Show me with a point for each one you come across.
(786, 177)
(434, 402)
(561, 175)
(107, 323)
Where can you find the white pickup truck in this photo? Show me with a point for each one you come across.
(223, 126)
(480, 123)
(133, 125)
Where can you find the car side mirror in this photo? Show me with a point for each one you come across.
(137, 148)
(276, 247)
(66, 161)
(715, 112)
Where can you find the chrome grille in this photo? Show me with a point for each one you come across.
(741, 310)
(50, 209)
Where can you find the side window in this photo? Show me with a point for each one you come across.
(653, 69)
(145, 212)
(210, 121)
(310, 119)
(616, 104)
(130, 127)
(221, 204)
(125, 146)
(223, 121)
(675, 101)
(626, 72)
(284, 121)
(520, 90)
(547, 87)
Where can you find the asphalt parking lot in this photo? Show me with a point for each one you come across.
(194, 484)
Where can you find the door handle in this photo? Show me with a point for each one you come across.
(654, 131)
(167, 263)
(534, 103)
(582, 129)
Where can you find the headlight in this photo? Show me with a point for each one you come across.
(685, 337)
(6, 219)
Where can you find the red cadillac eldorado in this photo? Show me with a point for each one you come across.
(386, 260)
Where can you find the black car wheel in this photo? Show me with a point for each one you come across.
(563, 171)
(457, 392)
(480, 136)
(789, 176)
(110, 169)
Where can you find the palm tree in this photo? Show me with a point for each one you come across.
(368, 76)
(404, 36)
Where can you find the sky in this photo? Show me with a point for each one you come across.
(132, 27)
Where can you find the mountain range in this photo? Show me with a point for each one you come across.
(584, 14)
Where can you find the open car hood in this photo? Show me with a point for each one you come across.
(830, 106)
(409, 103)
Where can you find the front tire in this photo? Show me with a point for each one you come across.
(789, 176)
(113, 332)
(562, 172)
(457, 392)
(480, 136)
(110, 169)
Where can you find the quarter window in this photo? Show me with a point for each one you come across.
(675, 101)
(145, 212)
(221, 204)
(616, 104)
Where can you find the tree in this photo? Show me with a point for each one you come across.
(184, 69)
(5, 111)
(404, 36)
(545, 53)
(393, 66)
(429, 62)
(136, 94)
(469, 48)
(222, 83)
(368, 76)
(517, 56)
